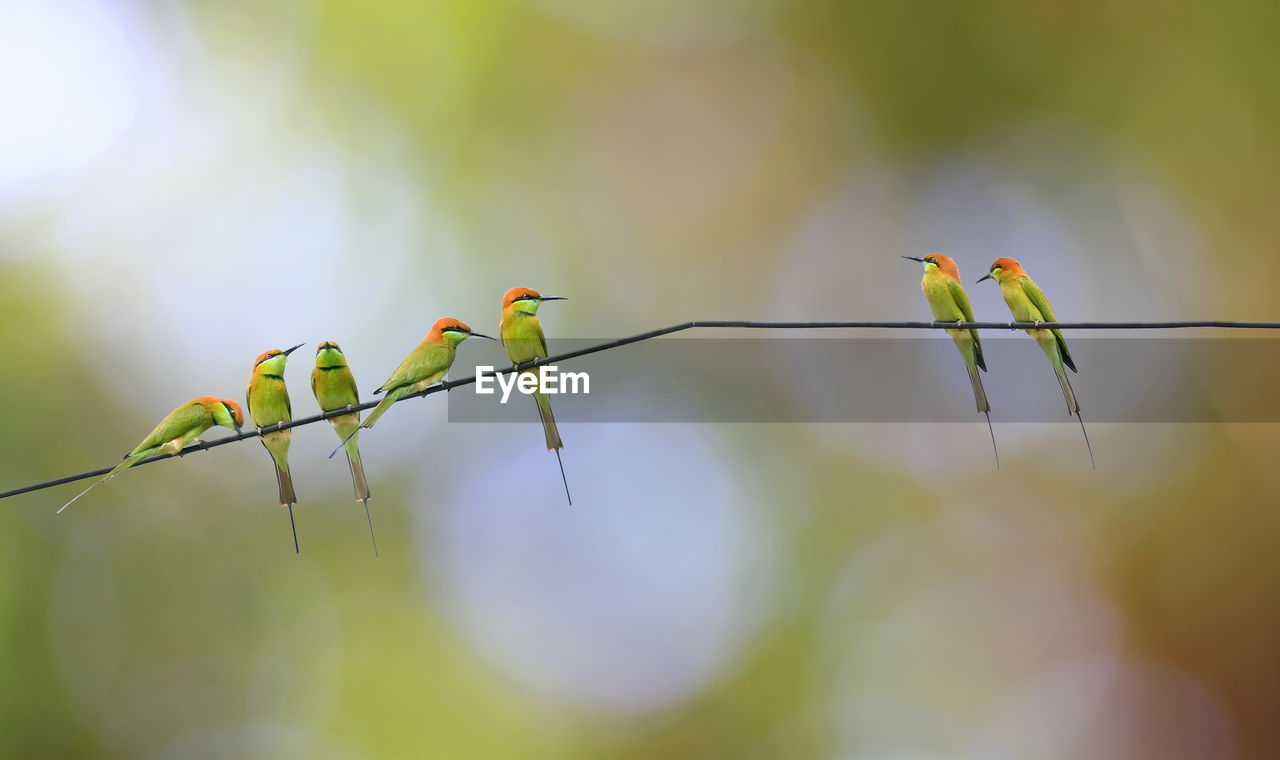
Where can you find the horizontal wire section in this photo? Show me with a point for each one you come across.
(695, 325)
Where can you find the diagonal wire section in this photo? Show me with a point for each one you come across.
(682, 327)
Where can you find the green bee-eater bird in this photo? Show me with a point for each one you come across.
(181, 427)
(949, 303)
(1028, 303)
(424, 366)
(522, 336)
(335, 388)
(268, 402)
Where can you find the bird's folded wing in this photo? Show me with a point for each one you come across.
(423, 363)
(179, 422)
(1041, 302)
(1038, 299)
(966, 309)
(347, 386)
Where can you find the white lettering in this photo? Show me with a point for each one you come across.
(507, 382)
(549, 380)
(575, 382)
(484, 379)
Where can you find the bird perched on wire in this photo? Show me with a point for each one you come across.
(335, 388)
(522, 336)
(949, 303)
(1028, 303)
(268, 402)
(425, 365)
(178, 429)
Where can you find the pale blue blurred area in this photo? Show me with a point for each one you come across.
(635, 597)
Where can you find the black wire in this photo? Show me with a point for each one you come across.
(699, 324)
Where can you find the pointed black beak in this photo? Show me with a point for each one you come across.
(914, 258)
(986, 276)
(482, 335)
(552, 298)
(291, 350)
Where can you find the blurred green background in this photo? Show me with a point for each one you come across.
(184, 185)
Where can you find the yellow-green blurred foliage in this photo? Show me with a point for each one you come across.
(186, 185)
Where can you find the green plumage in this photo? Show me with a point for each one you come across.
(949, 303)
(268, 401)
(335, 388)
(1028, 303)
(424, 366)
(177, 430)
(524, 340)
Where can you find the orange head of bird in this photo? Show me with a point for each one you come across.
(454, 330)
(226, 412)
(939, 262)
(1002, 268)
(274, 358)
(526, 300)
